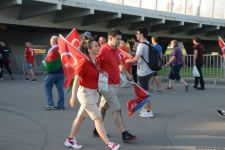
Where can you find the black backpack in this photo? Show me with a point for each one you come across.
(154, 58)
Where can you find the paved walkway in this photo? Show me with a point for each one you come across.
(183, 121)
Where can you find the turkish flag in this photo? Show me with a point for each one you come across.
(73, 38)
(124, 55)
(70, 57)
(134, 104)
(222, 45)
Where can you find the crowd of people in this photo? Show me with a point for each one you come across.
(104, 56)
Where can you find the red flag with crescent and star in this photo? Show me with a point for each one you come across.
(70, 56)
(74, 38)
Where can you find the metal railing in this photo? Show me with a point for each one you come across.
(213, 66)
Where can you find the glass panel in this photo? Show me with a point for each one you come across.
(178, 6)
(206, 8)
(114, 1)
(219, 9)
(149, 4)
(164, 5)
(193, 7)
(134, 3)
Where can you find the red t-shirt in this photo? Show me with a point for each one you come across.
(29, 52)
(88, 73)
(109, 61)
(200, 50)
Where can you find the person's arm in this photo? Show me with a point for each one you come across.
(73, 97)
(172, 59)
(123, 69)
(134, 59)
(195, 56)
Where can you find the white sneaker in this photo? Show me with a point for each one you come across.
(142, 111)
(73, 143)
(112, 146)
(147, 114)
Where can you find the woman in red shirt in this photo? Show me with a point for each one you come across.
(85, 90)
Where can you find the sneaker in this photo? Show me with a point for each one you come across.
(195, 86)
(72, 143)
(49, 108)
(221, 113)
(26, 79)
(112, 146)
(169, 88)
(201, 88)
(128, 138)
(142, 111)
(147, 114)
(34, 80)
(95, 134)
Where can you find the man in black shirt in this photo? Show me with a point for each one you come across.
(4, 59)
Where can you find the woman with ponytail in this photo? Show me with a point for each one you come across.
(85, 91)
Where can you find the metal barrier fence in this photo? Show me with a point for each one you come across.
(19, 64)
(212, 68)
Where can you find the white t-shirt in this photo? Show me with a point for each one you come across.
(142, 67)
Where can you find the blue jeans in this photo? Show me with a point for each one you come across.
(58, 80)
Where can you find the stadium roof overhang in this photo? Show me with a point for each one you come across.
(100, 16)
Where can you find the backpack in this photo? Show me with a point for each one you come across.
(154, 58)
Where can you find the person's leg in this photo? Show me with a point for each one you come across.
(199, 67)
(134, 73)
(152, 82)
(196, 82)
(171, 77)
(143, 81)
(48, 84)
(103, 106)
(101, 130)
(32, 74)
(1, 69)
(76, 125)
(59, 85)
(110, 99)
(6, 63)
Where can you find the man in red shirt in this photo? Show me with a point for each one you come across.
(198, 61)
(109, 61)
(29, 55)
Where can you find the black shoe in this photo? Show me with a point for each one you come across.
(26, 79)
(95, 133)
(34, 80)
(195, 86)
(201, 88)
(128, 138)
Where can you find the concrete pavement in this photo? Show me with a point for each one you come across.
(183, 120)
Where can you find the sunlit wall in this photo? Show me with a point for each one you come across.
(203, 8)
